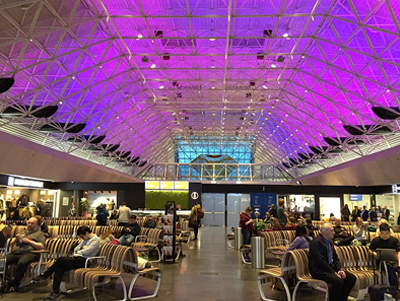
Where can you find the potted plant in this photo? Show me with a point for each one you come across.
(84, 206)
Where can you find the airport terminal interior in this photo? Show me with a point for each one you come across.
(228, 104)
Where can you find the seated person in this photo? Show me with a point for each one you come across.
(150, 222)
(332, 217)
(129, 232)
(360, 231)
(311, 227)
(324, 264)
(266, 217)
(107, 237)
(31, 239)
(291, 224)
(342, 237)
(43, 226)
(89, 247)
(275, 224)
(302, 241)
(383, 221)
(114, 214)
(386, 241)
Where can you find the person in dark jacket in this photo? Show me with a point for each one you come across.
(324, 264)
(345, 212)
(129, 232)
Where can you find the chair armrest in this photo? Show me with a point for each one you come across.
(140, 237)
(92, 258)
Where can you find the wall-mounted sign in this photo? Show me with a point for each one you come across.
(65, 201)
(195, 195)
(167, 185)
(395, 188)
(152, 185)
(24, 182)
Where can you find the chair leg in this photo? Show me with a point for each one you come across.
(155, 292)
(295, 290)
(259, 282)
(123, 287)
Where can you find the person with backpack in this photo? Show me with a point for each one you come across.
(102, 215)
(194, 219)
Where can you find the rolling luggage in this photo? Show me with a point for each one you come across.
(379, 292)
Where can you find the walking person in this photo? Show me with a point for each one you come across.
(324, 264)
(89, 247)
(124, 214)
(247, 225)
(282, 214)
(194, 220)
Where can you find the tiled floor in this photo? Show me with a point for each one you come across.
(209, 272)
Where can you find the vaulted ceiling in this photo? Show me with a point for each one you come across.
(307, 84)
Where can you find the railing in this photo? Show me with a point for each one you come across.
(230, 172)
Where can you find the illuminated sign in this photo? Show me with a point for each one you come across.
(152, 185)
(182, 185)
(24, 182)
(167, 185)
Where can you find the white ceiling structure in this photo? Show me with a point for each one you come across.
(307, 84)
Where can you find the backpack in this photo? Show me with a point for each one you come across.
(200, 213)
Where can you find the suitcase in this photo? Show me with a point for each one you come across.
(378, 291)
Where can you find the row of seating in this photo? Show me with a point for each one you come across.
(294, 265)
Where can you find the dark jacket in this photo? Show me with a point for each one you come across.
(318, 258)
(134, 229)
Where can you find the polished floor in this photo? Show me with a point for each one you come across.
(209, 272)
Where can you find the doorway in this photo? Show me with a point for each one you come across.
(213, 205)
(329, 205)
(237, 202)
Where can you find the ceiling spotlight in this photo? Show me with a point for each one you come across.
(161, 87)
(30, 40)
(153, 66)
(213, 88)
(285, 35)
(139, 36)
(212, 67)
(60, 102)
(302, 56)
(387, 91)
(212, 39)
(73, 77)
(265, 87)
(274, 66)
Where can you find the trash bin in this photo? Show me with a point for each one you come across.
(258, 252)
(238, 237)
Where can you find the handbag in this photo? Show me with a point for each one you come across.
(115, 241)
(192, 223)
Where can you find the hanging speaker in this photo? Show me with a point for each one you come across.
(6, 83)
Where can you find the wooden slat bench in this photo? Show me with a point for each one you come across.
(286, 271)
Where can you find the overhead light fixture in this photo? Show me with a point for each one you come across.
(274, 66)
(265, 87)
(212, 39)
(139, 36)
(153, 66)
(161, 87)
(285, 35)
